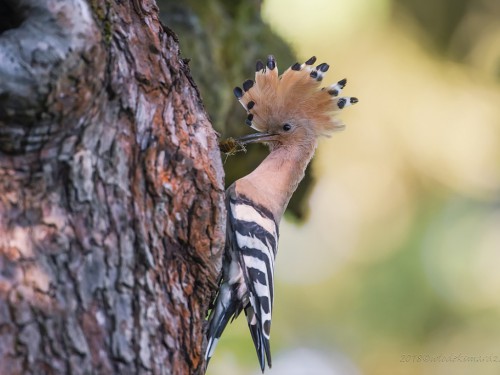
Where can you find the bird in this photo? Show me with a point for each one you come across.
(290, 113)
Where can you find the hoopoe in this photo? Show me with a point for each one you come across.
(290, 112)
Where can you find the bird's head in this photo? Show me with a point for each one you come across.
(292, 108)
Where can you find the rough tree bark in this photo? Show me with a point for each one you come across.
(111, 193)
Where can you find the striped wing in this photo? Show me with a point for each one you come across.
(255, 242)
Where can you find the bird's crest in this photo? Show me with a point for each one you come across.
(297, 93)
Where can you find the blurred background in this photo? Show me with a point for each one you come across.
(390, 261)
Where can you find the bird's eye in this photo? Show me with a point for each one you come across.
(287, 127)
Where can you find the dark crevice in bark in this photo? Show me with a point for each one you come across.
(10, 17)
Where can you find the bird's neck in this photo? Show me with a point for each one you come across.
(274, 181)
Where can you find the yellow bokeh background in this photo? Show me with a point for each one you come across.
(396, 269)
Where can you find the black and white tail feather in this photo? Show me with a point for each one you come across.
(247, 280)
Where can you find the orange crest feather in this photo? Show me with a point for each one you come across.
(297, 93)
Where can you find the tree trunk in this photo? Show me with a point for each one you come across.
(111, 193)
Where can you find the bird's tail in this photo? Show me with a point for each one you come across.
(225, 308)
(260, 342)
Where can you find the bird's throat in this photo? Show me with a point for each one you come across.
(275, 180)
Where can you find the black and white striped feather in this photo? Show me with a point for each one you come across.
(248, 274)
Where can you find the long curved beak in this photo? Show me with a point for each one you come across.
(256, 138)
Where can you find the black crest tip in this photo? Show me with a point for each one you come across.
(259, 65)
(238, 92)
(311, 61)
(247, 85)
(323, 67)
(271, 62)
